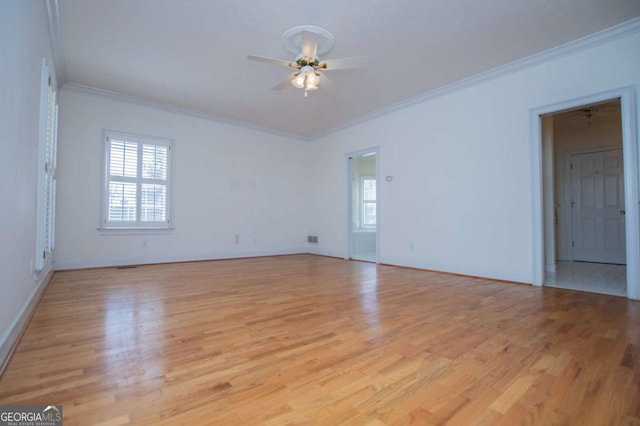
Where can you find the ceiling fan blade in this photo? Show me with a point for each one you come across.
(271, 61)
(353, 62)
(326, 87)
(325, 82)
(284, 83)
(309, 44)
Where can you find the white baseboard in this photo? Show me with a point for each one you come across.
(11, 336)
(458, 269)
(328, 253)
(62, 264)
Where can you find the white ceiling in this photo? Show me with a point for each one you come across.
(192, 53)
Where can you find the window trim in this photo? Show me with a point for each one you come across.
(130, 228)
(135, 231)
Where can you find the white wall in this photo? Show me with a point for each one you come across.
(572, 136)
(24, 40)
(228, 180)
(462, 166)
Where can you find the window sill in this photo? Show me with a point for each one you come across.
(135, 231)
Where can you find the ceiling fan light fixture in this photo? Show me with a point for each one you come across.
(312, 80)
(309, 43)
(298, 80)
(306, 79)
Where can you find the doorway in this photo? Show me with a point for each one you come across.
(363, 206)
(583, 192)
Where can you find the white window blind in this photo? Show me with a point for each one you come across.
(46, 193)
(50, 168)
(137, 182)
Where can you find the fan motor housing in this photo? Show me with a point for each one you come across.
(302, 62)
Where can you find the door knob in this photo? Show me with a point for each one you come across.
(622, 212)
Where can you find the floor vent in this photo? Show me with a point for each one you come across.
(127, 267)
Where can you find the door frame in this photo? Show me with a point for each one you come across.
(627, 96)
(568, 182)
(349, 203)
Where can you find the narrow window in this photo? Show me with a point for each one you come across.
(369, 202)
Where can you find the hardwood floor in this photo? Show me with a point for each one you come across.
(308, 339)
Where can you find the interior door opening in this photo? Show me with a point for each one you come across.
(583, 198)
(363, 207)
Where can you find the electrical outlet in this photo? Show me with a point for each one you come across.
(237, 239)
(144, 244)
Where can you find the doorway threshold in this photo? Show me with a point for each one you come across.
(603, 278)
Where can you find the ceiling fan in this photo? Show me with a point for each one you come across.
(308, 42)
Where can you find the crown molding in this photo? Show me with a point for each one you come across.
(180, 110)
(53, 16)
(592, 40)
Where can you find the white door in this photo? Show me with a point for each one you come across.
(597, 203)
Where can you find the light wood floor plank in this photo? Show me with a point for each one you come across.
(313, 340)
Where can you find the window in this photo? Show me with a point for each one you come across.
(46, 189)
(369, 202)
(137, 181)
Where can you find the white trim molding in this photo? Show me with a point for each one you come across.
(11, 337)
(135, 231)
(604, 36)
(106, 263)
(592, 40)
(179, 110)
(57, 49)
(630, 144)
